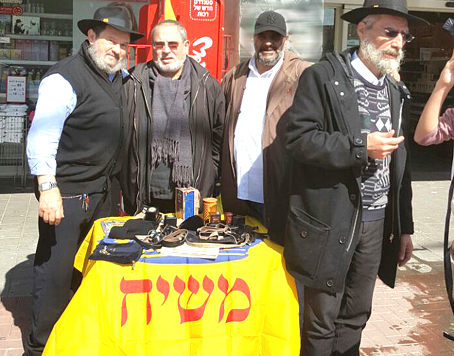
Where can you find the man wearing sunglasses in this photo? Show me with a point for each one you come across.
(350, 215)
(177, 111)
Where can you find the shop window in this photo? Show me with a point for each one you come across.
(425, 58)
(329, 17)
(304, 24)
(34, 34)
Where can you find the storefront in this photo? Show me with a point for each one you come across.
(35, 34)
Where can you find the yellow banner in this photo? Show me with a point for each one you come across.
(243, 303)
(169, 14)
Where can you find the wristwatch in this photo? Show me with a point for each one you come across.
(47, 186)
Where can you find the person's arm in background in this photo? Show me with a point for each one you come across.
(56, 101)
(430, 130)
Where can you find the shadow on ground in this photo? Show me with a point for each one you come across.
(16, 296)
(432, 162)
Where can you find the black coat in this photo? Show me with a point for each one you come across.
(206, 125)
(328, 151)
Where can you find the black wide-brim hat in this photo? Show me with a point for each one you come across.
(379, 7)
(117, 17)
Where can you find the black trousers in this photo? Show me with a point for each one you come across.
(54, 277)
(333, 323)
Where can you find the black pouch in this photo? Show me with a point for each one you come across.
(123, 253)
(132, 228)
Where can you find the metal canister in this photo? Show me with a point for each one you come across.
(209, 207)
(152, 213)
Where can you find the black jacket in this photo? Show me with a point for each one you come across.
(328, 150)
(206, 125)
(93, 139)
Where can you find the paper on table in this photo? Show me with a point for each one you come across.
(190, 251)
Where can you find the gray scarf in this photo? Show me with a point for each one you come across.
(171, 138)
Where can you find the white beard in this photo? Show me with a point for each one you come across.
(375, 56)
(101, 64)
(169, 68)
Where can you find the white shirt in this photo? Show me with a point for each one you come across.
(249, 132)
(365, 72)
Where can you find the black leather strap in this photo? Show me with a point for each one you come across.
(447, 256)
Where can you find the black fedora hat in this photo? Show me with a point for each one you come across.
(116, 16)
(378, 7)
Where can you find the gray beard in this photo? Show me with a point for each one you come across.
(270, 62)
(375, 56)
(169, 68)
(101, 64)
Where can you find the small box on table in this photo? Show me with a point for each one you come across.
(187, 202)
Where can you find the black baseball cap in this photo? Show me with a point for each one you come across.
(270, 21)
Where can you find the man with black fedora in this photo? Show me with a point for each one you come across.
(74, 148)
(350, 215)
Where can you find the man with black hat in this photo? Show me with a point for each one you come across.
(350, 208)
(74, 148)
(258, 91)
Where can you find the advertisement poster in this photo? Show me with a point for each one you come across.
(16, 88)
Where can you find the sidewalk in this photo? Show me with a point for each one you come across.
(407, 320)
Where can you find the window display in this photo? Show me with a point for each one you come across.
(33, 36)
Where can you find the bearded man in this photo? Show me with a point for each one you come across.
(258, 91)
(350, 214)
(74, 148)
(177, 114)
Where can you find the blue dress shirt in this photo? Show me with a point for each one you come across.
(56, 101)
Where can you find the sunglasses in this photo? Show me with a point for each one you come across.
(173, 45)
(390, 33)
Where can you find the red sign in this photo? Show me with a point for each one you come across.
(11, 10)
(203, 10)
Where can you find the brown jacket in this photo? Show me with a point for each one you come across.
(275, 172)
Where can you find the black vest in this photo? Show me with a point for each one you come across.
(93, 137)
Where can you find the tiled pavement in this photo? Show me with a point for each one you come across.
(407, 320)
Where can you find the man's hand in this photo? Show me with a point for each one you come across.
(51, 206)
(406, 249)
(381, 144)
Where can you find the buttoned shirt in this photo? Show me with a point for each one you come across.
(365, 72)
(249, 131)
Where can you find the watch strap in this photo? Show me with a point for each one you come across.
(47, 186)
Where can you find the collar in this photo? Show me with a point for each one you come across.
(124, 74)
(365, 72)
(268, 73)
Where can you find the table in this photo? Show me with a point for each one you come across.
(243, 303)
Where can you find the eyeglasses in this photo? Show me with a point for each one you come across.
(173, 45)
(407, 37)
